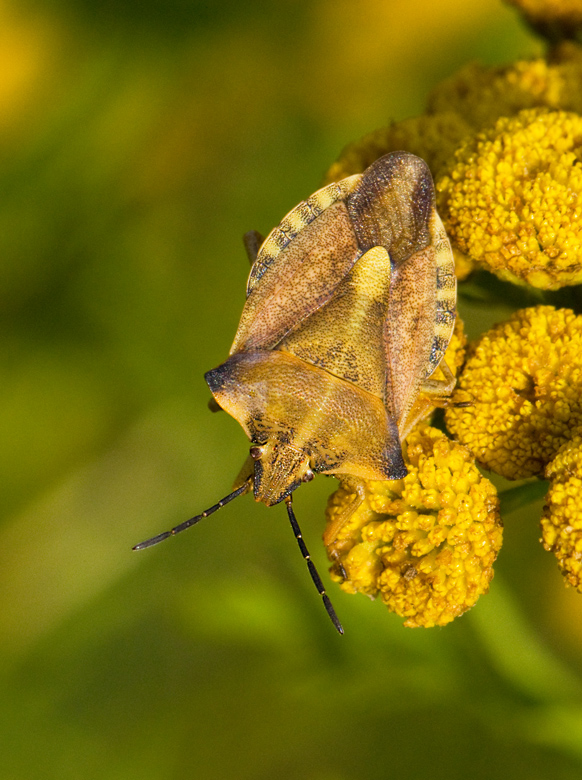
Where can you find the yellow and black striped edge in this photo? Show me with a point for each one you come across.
(446, 294)
(295, 221)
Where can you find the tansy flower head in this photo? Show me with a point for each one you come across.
(513, 200)
(562, 518)
(426, 543)
(523, 380)
(481, 94)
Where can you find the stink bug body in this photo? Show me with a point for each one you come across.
(350, 307)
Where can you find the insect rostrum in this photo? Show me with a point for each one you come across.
(350, 307)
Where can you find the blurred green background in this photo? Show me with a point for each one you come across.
(138, 142)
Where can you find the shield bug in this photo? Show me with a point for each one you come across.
(350, 307)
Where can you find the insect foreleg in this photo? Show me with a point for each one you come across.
(252, 240)
(334, 529)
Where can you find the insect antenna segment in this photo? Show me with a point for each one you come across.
(244, 488)
(311, 566)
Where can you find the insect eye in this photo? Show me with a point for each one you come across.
(256, 452)
(308, 476)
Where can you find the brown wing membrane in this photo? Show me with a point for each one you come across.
(298, 267)
(391, 205)
(294, 222)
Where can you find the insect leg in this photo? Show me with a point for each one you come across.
(433, 393)
(440, 387)
(214, 406)
(252, 241)
(311, 566)
(244, 488)
(332, 531)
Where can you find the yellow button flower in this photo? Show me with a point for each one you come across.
(523, 380)
(482, 94)
(426, 544)
(562, 518)
(513, 201)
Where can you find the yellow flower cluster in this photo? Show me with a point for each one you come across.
(469, 100)
(482, 94)
(426, 544)
(512, 200)
(504, 145)
(514, 178)
(523, 381)
(509, 176)
(562, 518)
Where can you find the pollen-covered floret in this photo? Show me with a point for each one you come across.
(426, 544)
(513, 200)
(562, 517)
(481, 93)
(523, 384)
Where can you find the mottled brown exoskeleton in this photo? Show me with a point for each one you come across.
(350, 308)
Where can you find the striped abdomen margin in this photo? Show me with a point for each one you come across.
(446, 295)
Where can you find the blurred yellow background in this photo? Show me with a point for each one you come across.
(138, 142)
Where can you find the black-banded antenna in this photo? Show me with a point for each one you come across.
(244, 488)
(311, 566)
